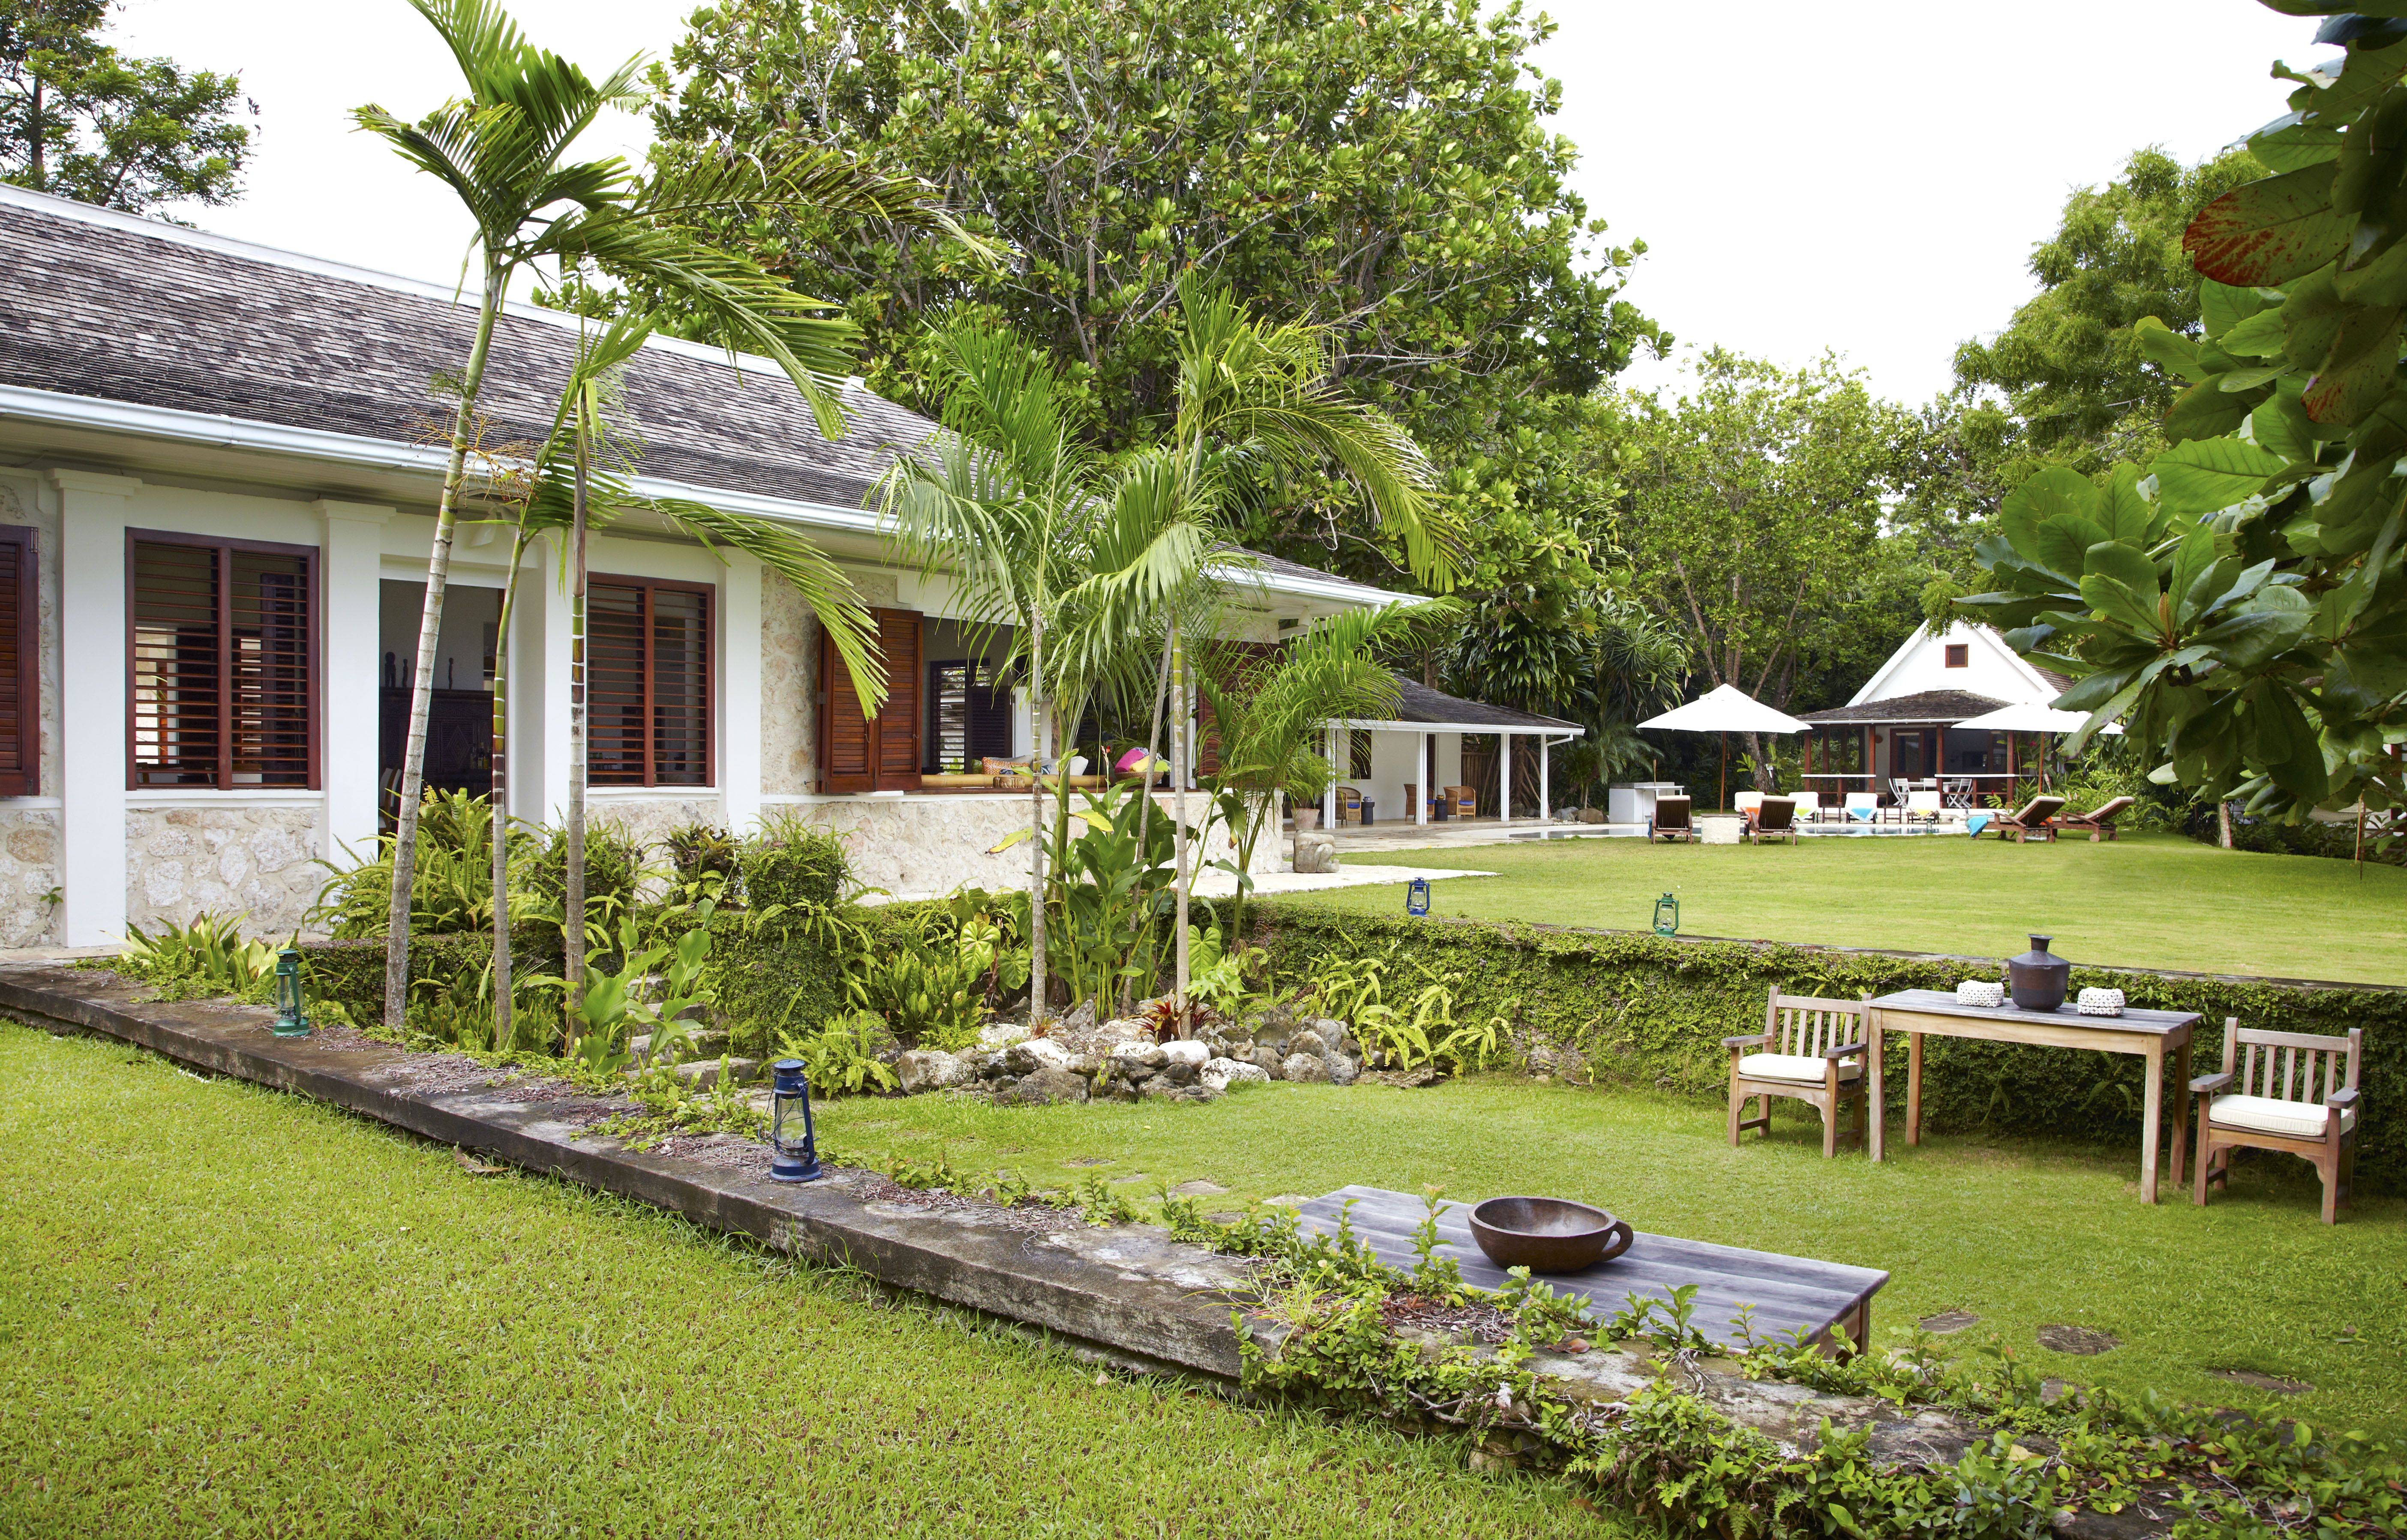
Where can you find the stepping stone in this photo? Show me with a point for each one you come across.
(1948, 1320)
(1087, 1160)
(2278, 1383)
(1131, 1176)
(1199, 1188)
(2078, 1340)
(1288, 1200)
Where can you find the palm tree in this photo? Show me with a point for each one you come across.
(505, 149)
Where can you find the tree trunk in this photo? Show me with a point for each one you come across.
(1762, 769)
(572, 903)
(504, 1026)
(1182, 750)
(2223, 824)
(430, 630)
(1041, 726)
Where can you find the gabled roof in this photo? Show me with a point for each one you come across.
(1930, 707)
(2045, 686)
(1417, 704)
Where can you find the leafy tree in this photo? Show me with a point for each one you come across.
(1754, 523)
(2241, 605)
(1382, 170)
(83, 121)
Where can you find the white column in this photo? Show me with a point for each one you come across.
(351, 661)
(1427, 762)
(739, 692)
(93, 754)
(1503, 777)
(1545, 813)
(538, 737)
(552, 806)
(1329, 798)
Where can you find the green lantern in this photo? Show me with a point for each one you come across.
(1667, 915)
(290, 1021)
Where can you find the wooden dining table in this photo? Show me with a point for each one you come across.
(2149, 1035)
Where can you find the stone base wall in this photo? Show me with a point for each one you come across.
(260, 862)
(29, 875)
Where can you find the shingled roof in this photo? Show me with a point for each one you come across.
(102, 305)
(1419, 703)
(1941, 707)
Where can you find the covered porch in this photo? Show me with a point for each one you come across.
(1442, 759)
(1920, 741)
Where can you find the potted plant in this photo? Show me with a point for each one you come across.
(1306, 783)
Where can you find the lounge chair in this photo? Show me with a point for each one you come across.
(1671, 821)
(1745, 803)
(2262, 1114)
(1809, 806)
(2036, 818)
(1922, 806)
(1811, 1049)
(1863, 807)
(2100, 824)
(1773, 818)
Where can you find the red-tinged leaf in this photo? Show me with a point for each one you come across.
(2363, 362)
(2269, 232)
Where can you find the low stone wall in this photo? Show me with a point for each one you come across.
(256, 861)
(29, 876)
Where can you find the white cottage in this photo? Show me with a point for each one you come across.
(219, 465)
(1901, 726)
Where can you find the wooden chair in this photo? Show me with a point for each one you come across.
(1773, 818)
(1671, 821)
(2276, 1105)
(2035, 819)
(1349, 804)
(1463, 800)
(2100, 824)
(1811, 1049)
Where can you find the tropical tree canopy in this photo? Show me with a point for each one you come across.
(2236, 601)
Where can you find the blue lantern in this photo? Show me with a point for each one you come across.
(789, 1099)
(290, 1020)
(1416, 896)
(1667, 915)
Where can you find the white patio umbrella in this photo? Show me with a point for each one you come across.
(1725, 710)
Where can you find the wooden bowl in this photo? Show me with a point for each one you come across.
(1547, 1234)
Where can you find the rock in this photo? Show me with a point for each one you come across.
(1081, 1020)
(1002, 1035)
(1332, 1030)
(1199, 1188)
(1047, 1085)
(1948, 1320)
(1316, 854)
(1034, 1053)
(1125, 1029)
(1159, 1090)
(1084, 1066)
(1220, 1074)
(1591, 815)
(1342, 1070)
(1287, 1200)
(2078, 1340)
(1144, 1055)
(1308, 1041)
(702, 1073)
(2278, 1383)
(1187, 1051)
(1178, 1071)
(1267, 1059)
(989, 1066)
(1565, 1064)
(931, 1069)
(1302, 1067)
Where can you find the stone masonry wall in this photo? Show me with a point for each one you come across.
(790, 682)
(29, 873)
(259, 862)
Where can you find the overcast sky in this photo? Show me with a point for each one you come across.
(1862, 177)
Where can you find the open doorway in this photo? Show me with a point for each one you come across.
(460, 722)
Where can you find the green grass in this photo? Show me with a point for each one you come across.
(234, 1312)
(2147, 901)
(2020, 1236)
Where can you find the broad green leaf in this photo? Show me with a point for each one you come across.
(2381, 281)
(2276, 736)
(2120, 603)
(2047, 493)
(2064, 540)
(2129, 515)
(2126, 564)
(2269, 232)
(2258, 337)
(2167, 349)
(2310, 319)
(2224, 306)
(2238, 380)
(2192, 557)
(2205, 411)
(2287, 144)
(2280, 425)
(1007, 841)
(2207, 474)
(2360, 369)
(2251, 640)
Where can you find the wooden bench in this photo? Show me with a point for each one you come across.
(1814, 1300)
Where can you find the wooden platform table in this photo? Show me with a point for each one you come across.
(1790, 1294)
(1934, 1013)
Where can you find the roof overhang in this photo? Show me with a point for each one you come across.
(1550, 730)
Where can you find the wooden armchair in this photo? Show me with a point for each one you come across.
(1773, 818)
(1349, 804)
(2035, 819)
(2277, 1106)
(2098, 825)
(1671, 821)
(1811, 1049)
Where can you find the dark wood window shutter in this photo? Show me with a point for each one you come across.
(899, 721)
(845, 734)
(20, 677)
(649, 683)
(223, 658)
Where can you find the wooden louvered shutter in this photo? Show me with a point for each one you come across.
(614, 683)
(988, 714)
(20, 687)
(845, 734)
(223, 664)
(900, 720)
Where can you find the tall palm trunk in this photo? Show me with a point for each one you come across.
(572, 903)
(1042, 724)
(504, 1027)
(429, 632)
(1182, 754)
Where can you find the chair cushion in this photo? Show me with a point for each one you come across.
(2272, 1114)
(1791, 1066)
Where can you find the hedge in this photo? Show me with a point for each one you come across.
(1650, 1010)
(351, 972)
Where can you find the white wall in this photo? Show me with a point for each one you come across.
(1990, 668)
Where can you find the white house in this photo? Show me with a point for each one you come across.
(1902, 724)
(219, 465)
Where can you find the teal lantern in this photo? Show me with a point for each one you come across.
(1667, 915)
(1416, 894)
(290, 1021)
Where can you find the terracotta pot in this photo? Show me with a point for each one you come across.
(2038, 978)
(1306, 820)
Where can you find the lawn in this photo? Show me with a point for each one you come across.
(238, 1312)
(2148, 901)
(2021, 1235)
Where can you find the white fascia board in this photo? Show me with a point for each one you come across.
(2042, 691)
(1368, 725)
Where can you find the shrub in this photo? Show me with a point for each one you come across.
(614, 868)
(796, 866)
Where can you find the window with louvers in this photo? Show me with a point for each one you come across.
(223, 662)
(20, 687)
(969, 715)
(648, 683)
